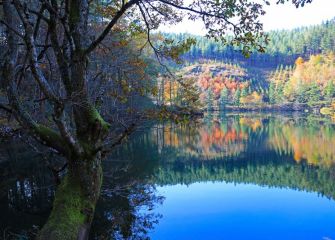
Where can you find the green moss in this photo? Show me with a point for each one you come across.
(88, 150)
(96, 117)
(71, 210)
(47, 133)
(51, 138)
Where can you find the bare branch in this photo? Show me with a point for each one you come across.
(10, 28)
(108, 147)
(31, 49)
(43, 134)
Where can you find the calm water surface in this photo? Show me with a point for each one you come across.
(238, 176)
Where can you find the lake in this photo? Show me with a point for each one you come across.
(233, 176)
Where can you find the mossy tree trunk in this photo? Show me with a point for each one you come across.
(79, 191)
(75, 201)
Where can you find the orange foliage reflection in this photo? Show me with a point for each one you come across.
(212, 139)
(315, 145)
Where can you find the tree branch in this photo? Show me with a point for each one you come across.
(200, 12)
(110, 25)
(31, 49)
(108, 147)
(43, 134)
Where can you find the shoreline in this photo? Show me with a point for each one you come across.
(271, 108)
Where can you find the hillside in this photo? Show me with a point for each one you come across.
(222, 83)
(284, 47)
(296, 71)
(215, 69)
(309, 83)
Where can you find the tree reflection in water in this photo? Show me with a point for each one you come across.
(125, 208)
(275, 151)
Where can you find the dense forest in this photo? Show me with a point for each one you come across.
(283, 48)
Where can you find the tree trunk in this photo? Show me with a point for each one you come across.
(75, 201)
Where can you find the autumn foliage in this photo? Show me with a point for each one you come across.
(309, 81)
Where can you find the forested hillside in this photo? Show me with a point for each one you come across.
(221, 84)
(308, 82)
(284, 46)
(297, 68)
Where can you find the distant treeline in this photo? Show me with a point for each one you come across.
(284, 47)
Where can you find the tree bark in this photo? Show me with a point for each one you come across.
(75, 201)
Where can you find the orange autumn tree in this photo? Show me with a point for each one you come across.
(310, 81)
(218, 81)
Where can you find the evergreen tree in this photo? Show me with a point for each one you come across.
(237, 96)
(329, 90)
(300, 94)
(223, 98)
(209, 99)
(244, 92)
(313, 94)
(272, 93)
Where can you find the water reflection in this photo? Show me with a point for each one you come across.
(243, 211)
(26, 191)
(290, 154)
(310, 141)
(125, 208)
